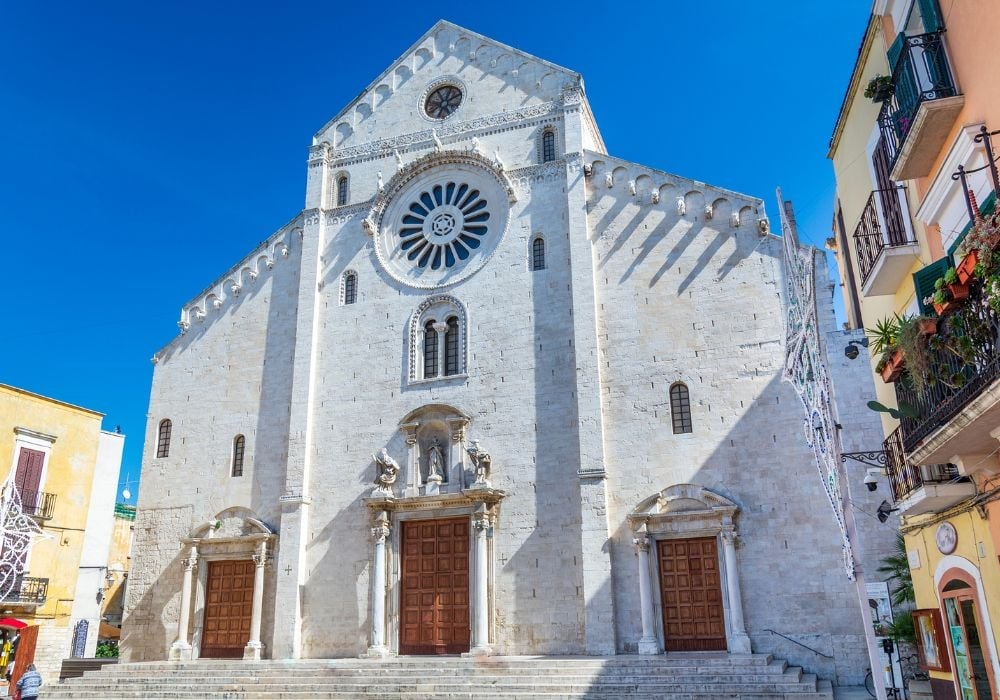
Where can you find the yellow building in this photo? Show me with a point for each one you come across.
(912, 162)
(119, 557)
(65, 470)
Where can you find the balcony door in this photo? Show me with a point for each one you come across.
(889, 196)
(971, 660)
(28, 477)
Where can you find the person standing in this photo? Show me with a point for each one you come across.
(28, 685)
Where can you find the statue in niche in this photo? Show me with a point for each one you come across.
(386, 472)
(435, 463)
(481, 463)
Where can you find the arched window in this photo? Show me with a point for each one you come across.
(548, 145)
(680, 408)
(430, 350)
(163, 439)
(538, 253)
(239, 446)
(341, 190)
(350, 287)
(451, 348)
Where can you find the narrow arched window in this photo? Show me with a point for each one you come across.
(451, 348)
(430, 350)
(680, 408)
(548, 146)
(341, 190)
(538, 254)
(163, 439)
(350, 287)
(239, 447)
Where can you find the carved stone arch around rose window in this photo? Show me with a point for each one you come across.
(224, 551)
(688, 523)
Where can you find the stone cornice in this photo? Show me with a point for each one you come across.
(467, 498)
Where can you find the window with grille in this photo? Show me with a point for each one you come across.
(163, 440)
(341, 190)
(239, 446)
(451, 348)
(350, 287)
(430, 350)
(680, 408)
(538, 254)
(548, 146)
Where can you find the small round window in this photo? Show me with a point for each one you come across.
(442, 103)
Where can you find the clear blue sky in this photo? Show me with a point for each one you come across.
(146, 147)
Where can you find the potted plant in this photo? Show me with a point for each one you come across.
(884, 343)
(879, 88)
(949, 293)
(976, 252)
(912, 341)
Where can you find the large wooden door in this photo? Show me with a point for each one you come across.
(24, 653)
(228, 605)
(691, 593)
(435, 595)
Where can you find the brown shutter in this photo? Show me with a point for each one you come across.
(29, 470)
(24, 654)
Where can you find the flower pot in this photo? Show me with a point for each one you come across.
(927, 326)
(966, 269)
(959, 291)
(882, 93)
(893, 367)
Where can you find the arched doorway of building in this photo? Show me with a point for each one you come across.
(970, 653)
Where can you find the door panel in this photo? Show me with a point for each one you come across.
(435, 587)
(691, 594)
(24, 654)
(228, 607)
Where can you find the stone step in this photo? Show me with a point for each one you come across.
(457, 695)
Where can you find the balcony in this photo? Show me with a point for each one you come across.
(28, 591)
(959, 413)
(38, 504)
(918, 490)
(884, 242)
(916, 120)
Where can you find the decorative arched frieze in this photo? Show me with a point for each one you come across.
(438, 309)
(686, 511)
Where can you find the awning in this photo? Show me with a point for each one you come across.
(13, 623)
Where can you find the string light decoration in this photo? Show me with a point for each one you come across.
(805, 369)
(18, 532)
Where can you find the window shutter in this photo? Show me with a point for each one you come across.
(895, 51)
(923, 281)
(986, 208)
(931, 15)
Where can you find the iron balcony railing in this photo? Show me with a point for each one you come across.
(965, 360)
(28, 590)
(869, 237)
(922, 74)
(905, 478)
(38, 504)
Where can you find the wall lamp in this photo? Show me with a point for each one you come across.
(852, 351)
(884, 508)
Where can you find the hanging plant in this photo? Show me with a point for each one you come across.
(949, 293)
(879, 88)
(976, 252)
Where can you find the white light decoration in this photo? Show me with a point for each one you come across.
(805, 369)
(18, 533)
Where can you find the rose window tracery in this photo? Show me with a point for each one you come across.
(444, 225)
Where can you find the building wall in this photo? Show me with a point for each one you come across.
(79, 449)
(119, 559)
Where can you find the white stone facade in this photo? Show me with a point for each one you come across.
(563, 376)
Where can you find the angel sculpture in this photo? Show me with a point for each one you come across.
(481, 462)
(399, 160)
(17, 533)
(438, 146)
(386, 472)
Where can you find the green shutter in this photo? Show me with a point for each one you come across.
(986, 208)
(895, 51)
(931, 15)
(923, 282)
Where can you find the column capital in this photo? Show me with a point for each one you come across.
(641, 543)
(191, 560)
(729, 536)
(380, 533)
(440, 327)
(481, 521)
(260, 559)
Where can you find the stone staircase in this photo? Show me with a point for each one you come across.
(695, 676)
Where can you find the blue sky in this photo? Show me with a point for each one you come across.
(146, 147)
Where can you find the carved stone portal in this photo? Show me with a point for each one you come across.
(436, 457)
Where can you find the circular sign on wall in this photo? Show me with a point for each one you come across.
(946, 538)
(441, 223)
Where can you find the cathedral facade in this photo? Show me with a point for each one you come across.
(493, 391)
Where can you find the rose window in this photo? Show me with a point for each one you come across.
(444, 225)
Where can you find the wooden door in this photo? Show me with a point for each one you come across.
(228, 605)
(435, 592)
(971, 658)
(691, 593)
(24, 653)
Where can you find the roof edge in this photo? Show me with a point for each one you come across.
(852, 87)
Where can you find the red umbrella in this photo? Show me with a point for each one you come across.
(13, 622)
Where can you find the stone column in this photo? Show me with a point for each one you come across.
(413, 478)
(481, 629)
(441, 329)
(253, 648)
(648, 643)
(181, 649)
(380, 533)
(740, 642)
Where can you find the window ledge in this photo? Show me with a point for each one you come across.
(434, 380)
